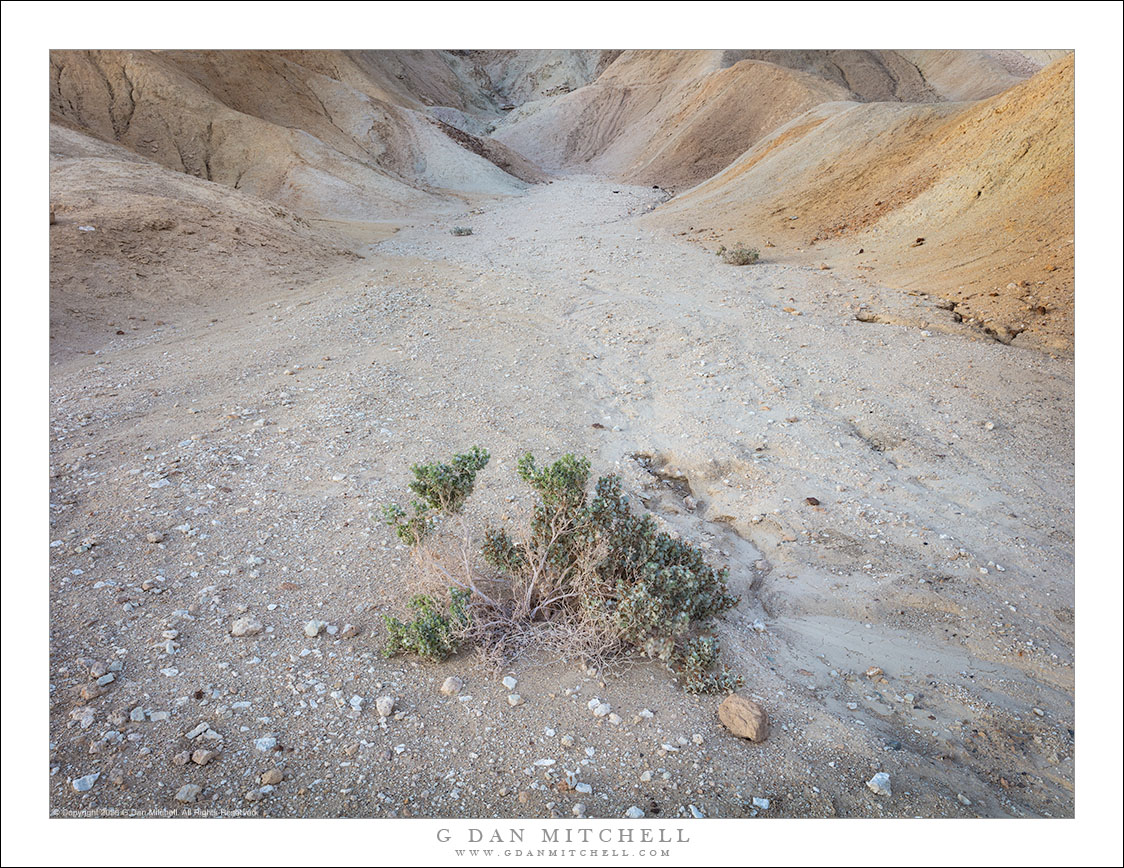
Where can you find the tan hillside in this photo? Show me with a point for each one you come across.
(988, 187)
(327, 133)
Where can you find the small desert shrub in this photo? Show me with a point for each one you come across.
(460, 230)
(739, 254)
(440, 489)
(432, 634)
(588, 574)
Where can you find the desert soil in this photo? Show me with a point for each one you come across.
(227, 456)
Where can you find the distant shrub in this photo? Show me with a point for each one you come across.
(739, 254)
(461, 230)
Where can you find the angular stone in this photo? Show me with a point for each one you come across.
(744, 718)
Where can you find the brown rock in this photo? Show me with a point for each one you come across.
(202, 756)
(744, 718)
(272, 777)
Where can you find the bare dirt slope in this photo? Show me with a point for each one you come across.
(132, 241)
(256, 436)
(973, 202)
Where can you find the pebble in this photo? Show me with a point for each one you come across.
(761, 803)
(514, 699)
(385, 705)
(452, 686)
(509, 682)
(246, 627)
(350, 631)
(202, 756)
(188, 793)
(273, 776)
(268, 742)
(634, 813)
(313, 629)
(880, 784)
(84, 783)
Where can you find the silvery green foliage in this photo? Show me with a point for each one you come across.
(656, 590)
(440, 489)
(432, 634)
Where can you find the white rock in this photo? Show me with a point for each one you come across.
(265, 743)
(246, 627)
(188, 793)
(84, 783)
(509, 682)
(880, 784)
(385, 705)
(514, 699)
(634, 813)
(313, 629)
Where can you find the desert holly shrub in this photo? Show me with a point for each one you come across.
(440, 489)
(739, 254)
(432, 634)
(659, 588)
(460, 230)
(592, 560)
(585, 564)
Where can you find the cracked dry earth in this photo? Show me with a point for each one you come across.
(895, 504)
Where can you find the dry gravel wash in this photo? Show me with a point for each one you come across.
(230, 462)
